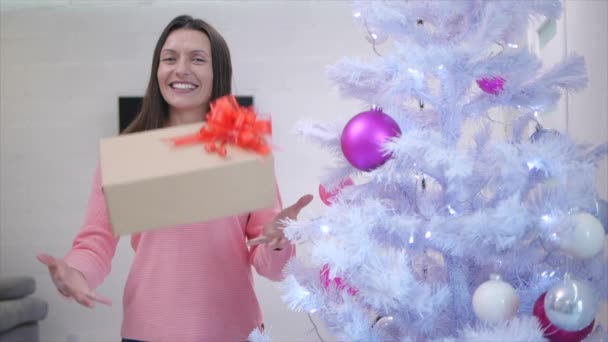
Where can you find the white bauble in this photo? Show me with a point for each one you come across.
(586, 238)
(495, 300)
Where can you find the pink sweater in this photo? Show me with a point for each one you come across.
(188, 283)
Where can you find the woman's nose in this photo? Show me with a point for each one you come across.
(183, 68)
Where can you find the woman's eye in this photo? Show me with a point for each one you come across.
(168, 59)
(199, 60)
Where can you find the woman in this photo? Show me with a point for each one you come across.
(193, 282)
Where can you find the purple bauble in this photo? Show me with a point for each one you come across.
(363, 137)
(492, 85)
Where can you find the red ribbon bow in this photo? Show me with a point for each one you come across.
(229, 123)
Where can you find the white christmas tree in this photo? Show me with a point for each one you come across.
(430, 235)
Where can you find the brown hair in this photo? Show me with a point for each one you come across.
(155, 110)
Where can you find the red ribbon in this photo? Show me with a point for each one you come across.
(229, 123)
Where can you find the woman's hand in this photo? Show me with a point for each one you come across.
(273, 231)
(70, 282)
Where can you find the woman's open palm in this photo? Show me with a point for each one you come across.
(70, 282)
(273, 233)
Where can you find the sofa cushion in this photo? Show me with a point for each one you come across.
(16, 287)
(15, 312)
(23, 333)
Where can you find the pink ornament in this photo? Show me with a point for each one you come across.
(327, 196)
(363, 137)
(492, 85)
(554, 333)
(340, 284)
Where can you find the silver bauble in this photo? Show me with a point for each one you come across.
(542, 133)
(387, 328)
(571, 304)
(601, 212)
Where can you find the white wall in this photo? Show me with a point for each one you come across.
(582, 29)
(62, 71)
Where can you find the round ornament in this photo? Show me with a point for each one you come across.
(586, 239)
(388, 328)
(327, 196)
(363, 137)
(495, 300)
(541, 133)
(492, 85)
(601, 212)
(567, 311)
(339, 283)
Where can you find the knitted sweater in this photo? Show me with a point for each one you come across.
(191, 282)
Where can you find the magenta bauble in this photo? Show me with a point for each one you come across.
(327, 196)
(492, 85)
(339, 283)
(363, 138)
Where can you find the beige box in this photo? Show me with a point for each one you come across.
(150, 184)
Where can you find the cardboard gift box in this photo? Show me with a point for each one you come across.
(149, 183)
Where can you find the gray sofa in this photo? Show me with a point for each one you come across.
(20, 312)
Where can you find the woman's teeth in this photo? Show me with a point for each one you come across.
(183, 86)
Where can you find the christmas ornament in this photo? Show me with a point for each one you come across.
(340, 284)
(363, 137)
(387, 328)
(540, 133)
(567, 311)
(429, 266)
(601, 212)
(327, 196)
(586, 239)
(495, 300)
(492, 85)
(374, 36)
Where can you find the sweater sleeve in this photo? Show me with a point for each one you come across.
(94, 246)
(266, 261)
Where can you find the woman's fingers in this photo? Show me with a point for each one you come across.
(83, 300)
(279, 243)
(258, 241)
(47, 260)
(295, 209)
(99, 299)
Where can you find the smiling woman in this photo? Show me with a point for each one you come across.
(192, 282)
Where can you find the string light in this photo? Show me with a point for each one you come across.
(547, 218)
(325, 229)
(451, 210)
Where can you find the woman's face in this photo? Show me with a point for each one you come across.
(185, 73)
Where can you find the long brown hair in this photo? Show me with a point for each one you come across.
(154, 111)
